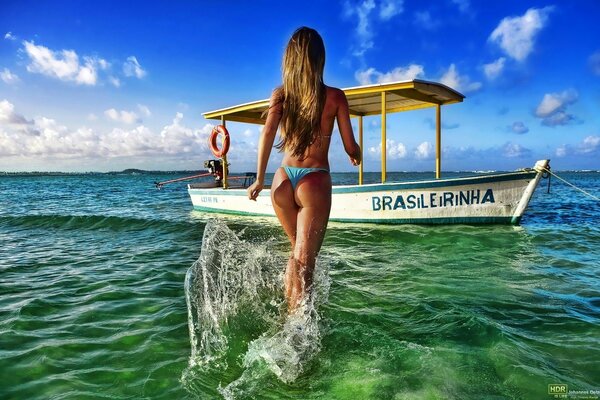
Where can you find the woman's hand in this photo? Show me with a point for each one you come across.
(355, 158)
(254, 190)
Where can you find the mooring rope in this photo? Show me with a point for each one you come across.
(570, 184)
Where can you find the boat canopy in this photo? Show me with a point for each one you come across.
(362, 100)
(383, 98)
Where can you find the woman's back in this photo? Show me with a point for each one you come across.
(316, 154)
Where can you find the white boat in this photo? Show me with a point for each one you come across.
(495, 198)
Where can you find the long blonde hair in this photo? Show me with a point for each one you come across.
(302, 91)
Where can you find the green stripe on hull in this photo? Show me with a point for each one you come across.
(389, 221)
(231, 212)
(435, 221)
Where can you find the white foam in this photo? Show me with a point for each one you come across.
(228, 275)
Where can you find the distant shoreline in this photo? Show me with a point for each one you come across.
(134, 171)
(129, 171)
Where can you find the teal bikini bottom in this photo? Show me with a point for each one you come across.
(297, 173)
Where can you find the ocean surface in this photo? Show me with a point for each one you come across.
(112, 289)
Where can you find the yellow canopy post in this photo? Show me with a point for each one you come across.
(224, 159)
(383, 136)
(438, 141)
(360, 144)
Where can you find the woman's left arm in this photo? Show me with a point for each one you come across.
(265, 144)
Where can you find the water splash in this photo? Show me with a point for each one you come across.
(284, 353)
(230, 275)
(234, 294)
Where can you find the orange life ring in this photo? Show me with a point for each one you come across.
(219, 129)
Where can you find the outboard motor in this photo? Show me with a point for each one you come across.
(216, 168)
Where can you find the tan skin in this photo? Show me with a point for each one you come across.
(304, 213)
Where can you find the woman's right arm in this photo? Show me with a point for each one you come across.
(345, 128)
(265, 144)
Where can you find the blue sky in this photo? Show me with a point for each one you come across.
(100, 86)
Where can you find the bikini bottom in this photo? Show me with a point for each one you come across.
(297, 173)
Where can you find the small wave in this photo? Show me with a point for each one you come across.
(74, 222)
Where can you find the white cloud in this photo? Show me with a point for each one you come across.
(177, 138)
(516, 35)
(589, 146)
(144, 110)
(365, 29)
(371, 75)
(114, 81)
(463, 5)
(514, 150)
(8, 77)
(561, 151)
(461, 152)
(450, 78)
(494, 69)
(424, 151)
(423, 19)
(552, 108)
(103, 64)
(445, 125)
(92, 117)
(51, 139)
(559, 118)
(550, 103)
(87, 75)
(63, 65)
(594, 62)
(375, 150)
(507, 150)
(390, 8)
(519, 128)
(8, 114)
(462, 83)
(132, 67)
(394, 150)
(68, 66)
(9, 36)
(127, 117)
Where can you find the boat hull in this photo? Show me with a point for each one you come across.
(500, 198)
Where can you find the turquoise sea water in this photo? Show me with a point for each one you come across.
(93, 300)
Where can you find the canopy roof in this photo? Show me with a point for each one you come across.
(362, 100)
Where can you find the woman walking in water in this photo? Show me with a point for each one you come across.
(305, 109)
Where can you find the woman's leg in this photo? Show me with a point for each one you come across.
(286, 209)
(304, 217)
(313, 196)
